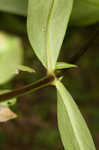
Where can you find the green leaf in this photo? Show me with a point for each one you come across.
(26, 68)
(85, 12)
(14, 6)
(64, 65)
(47, 23)
(73, 130)
(7, 103)
(11, 53)
(79, 17)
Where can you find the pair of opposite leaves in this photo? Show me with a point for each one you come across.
(47, 22)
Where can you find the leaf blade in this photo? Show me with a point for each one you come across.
(74, 132)
(26, 69)
(47, 24)
(64, 65)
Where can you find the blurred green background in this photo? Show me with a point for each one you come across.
(36, 125)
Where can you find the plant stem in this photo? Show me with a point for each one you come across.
(29, 88)
(50, 78)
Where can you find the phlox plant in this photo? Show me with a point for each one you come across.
(47, 23)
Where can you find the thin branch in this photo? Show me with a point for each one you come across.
(29, 88)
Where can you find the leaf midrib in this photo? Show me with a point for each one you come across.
(73, 126)
(49, 55)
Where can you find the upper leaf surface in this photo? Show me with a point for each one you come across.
(25, 68)
(74, 132)
(64, 65)
(47, 24)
